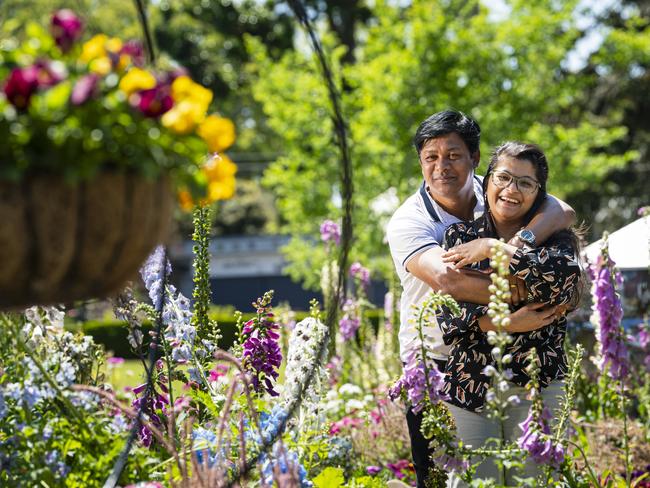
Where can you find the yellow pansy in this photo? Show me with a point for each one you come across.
(183, 88)
(217, 132)
(191, 103)
(101, 66)
(137, 79)
(220, 172)
(113, 44)
(94, 48)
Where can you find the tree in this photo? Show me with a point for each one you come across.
(507, 72)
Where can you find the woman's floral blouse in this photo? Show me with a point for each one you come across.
(551, 274)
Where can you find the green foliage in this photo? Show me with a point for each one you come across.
(416, 60)
(329, 478)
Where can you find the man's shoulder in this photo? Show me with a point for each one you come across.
(408, 212)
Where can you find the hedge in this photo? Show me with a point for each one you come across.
(112, 334)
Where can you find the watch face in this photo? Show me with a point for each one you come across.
(527, 236)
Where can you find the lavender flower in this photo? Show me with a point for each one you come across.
(330, 231)
(350, 322)
(414, 382)
(608, 312)
(261, 351)
(644, 211)
(536, 439)
(363, 274)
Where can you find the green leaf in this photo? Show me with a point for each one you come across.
(329, 478)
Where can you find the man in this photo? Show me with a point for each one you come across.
(447, 144)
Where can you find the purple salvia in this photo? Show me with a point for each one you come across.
(330, 231)
(607, 316)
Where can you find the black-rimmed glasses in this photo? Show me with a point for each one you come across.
(524, 184)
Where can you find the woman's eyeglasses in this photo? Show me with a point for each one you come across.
(524, 184)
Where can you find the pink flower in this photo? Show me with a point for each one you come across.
(216, 373)
(48, 75)
(84, 89)
(373, 470)
(358, 271)
(66, 28)
(134, 50)
(345, 422)
(21, 85)
(153, 102)
(399, 467)
(115, 360)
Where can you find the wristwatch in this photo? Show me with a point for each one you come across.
(526, 236)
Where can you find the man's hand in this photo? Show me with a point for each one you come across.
(518, 291)
(469, 252)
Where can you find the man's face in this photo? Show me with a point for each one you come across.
(447, 165)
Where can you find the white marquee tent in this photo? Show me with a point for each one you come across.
(629, 246)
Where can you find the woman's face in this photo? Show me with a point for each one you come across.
(512, 189)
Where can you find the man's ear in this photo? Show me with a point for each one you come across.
(476, 158)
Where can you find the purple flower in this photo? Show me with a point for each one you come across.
(330, 231)
(608, 313)
(153, 102)
(262, 355)
(134, 50)
(66, 28)
(536, 439)
(373, 470)
(644, 211)
(84, 89)
(115, 360)
(414, 382)
(451, 463)
(350, 322)
(358, 271)
(21, 85)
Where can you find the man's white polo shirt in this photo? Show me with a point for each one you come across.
(417, 225)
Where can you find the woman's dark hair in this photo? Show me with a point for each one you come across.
(534, 154)
(446, 122)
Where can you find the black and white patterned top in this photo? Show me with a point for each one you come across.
(551, 274)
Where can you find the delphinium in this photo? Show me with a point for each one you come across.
(261, 353)
(330, 234)
(612, 354)
(421, 386)
(306, 357)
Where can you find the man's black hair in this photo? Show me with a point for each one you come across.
(446, 122)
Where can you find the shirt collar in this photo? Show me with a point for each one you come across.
(438, 214)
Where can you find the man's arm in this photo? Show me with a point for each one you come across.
(462, 285)
(553, 215)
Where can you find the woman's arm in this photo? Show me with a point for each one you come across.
(554, 215)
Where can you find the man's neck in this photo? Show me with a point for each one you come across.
(461, 207)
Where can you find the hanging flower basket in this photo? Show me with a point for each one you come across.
(61, 242)
(94, 145)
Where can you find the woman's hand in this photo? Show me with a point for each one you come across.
(469, 252)
(532, 317)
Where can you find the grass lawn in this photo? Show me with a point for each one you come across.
(129, 373)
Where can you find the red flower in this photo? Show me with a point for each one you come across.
(153, 102)
(84, 89)
(66, 28)
(21, 85)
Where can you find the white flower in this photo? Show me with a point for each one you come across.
(350, 389)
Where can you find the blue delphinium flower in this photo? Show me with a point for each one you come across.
(153, 273)
(54, 462)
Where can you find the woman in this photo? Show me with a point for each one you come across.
(514, 188)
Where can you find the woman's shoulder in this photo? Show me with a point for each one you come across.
(465, 231)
